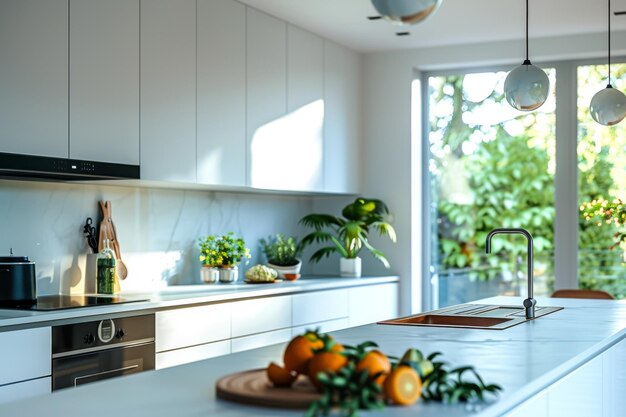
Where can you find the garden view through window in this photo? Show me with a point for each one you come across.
(492, 166)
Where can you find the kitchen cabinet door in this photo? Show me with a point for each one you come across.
(373, 303)
(191, 354)
(221, 154)
(266, 102)
(260, 340)
(190, 326)
(25, 354)
(33, 77)
(168, 90)
(27, 389)
(614, 380)
(578, 394)
(342, 119)
(537, 406)
(104, 80)
(294, 158)
(319, 306)
(261, 315)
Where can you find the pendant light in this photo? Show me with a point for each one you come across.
(406, 12)
(526, 87)
(608, 106)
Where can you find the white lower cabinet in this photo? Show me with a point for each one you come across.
(25, 363)
(190, 334)
(372, 303)
(26, 389)
(579, 394)
(192, 354)
(259, 340)
(614, 380)
(537, 406)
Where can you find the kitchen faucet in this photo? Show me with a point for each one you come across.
(529, 303)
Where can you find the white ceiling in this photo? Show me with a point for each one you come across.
(456, 22)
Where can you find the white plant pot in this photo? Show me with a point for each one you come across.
(229, 275)
(350, 267)
(282, 270)
(209, 274)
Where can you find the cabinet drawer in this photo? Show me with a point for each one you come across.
(373, 303)
(27, 389)
(324, 327)
(261, 315)
(319, 306)
(192, 354)
(25, 354)
(260, 340)
(192, 326)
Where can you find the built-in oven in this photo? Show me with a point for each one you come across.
(96, 350)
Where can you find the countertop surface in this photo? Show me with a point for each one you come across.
(524, 359)
(185, 295)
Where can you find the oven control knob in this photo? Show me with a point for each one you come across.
(89, 338)
(120, 333)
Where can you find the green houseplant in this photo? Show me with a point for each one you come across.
(349, 233)
(282, 254)
(220, 255)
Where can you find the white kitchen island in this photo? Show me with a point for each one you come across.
(569, 363)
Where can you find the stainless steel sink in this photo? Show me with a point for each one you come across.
(472, 316)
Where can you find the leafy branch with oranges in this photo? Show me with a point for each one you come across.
(353, 378)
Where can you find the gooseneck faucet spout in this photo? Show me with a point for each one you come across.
(529, 303)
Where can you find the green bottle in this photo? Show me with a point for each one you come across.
(106, 270)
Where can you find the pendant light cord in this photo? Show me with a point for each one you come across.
(527, 30)
(609, 41)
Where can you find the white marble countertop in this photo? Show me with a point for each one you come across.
(185, 295)
(524, 359)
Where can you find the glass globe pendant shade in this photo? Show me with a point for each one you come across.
(526, 87)
(406, 12)
(608, 106)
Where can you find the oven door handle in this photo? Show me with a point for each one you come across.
(126, 368)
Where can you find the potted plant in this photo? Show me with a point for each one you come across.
(282, 254)
(220, 256)
(349, 234)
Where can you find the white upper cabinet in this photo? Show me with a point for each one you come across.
(221, 149)
(168, 90)
(104, 80)
(33, 77)
(266, 104)
(301, 151)
(342, 128)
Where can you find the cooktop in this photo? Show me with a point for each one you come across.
(61, 302)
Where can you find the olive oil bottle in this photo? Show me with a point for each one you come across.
(105, 277)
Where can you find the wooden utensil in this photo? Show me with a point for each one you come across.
(122, 270)
(253, 388)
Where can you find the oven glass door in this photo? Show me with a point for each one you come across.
(71, 371)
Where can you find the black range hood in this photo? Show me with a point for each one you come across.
(17, 166)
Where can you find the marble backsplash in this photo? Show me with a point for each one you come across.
(158, 229)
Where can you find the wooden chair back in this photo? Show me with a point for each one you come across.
(596, 294)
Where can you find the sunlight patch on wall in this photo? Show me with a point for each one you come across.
(286, 153)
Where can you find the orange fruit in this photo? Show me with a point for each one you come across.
(280, 376)
(376, 363)
(403, 386)
(300, 351)
(325, 362)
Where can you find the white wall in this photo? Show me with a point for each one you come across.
(390, 151)
(158, 229)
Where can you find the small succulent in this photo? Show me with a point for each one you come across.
(280, 250)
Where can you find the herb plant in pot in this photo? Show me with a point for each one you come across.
(349, 233)
(282, 255)
(220, 256)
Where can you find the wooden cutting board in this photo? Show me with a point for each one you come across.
(253, 388)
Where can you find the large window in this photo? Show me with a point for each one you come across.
(601, 175)
(491, 166)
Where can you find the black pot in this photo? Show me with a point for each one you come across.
(18, 284)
